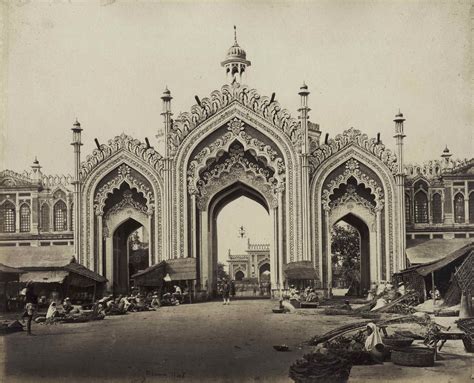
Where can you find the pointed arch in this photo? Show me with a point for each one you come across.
(60, 216)
(7, 217)
(45, 213)
(25, 218)
(459, 212)
(386, 221)
(437, 208)
(421, 206)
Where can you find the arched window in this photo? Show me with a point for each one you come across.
(471, 207)
(25, 217)
(60, 216)
(437, 209)
(7, 217)
(421, 208)
(407, 209)
(459, 208)
(45, 217)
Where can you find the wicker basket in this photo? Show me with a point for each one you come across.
(414, 357)
(278, 311)
(468, 343)
(397, 342)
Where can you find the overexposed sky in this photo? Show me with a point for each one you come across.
(255, 220)
(107, 65)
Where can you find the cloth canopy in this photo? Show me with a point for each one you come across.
(48, 276)
(426, 251)
(301, 270)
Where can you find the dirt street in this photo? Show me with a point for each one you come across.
(200, 342)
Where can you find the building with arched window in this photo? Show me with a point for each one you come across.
(233, 143)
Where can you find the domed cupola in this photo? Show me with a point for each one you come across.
(236, 61)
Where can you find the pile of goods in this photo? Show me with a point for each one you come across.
(7, 327)
(467, 325)
(320, 368)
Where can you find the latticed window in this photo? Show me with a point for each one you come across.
(471, 207)
(459, 208)
(60, 216)
(25, 218)
(45, 217)
(407, 209)
(421, 208)
(437, 209)
(7, 217)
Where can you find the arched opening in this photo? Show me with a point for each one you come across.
(239, 275)
(459, 215)
(123, 264)
(240, 233)
(264, 273)
(125, 240)
(350, 249)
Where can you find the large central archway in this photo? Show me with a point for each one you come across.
(218, 202)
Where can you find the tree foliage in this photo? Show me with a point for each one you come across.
(221, 273)
(345, 248)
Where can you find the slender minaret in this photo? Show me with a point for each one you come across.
(76, 142)
(305, 208)
(400, 181)
(168, 181)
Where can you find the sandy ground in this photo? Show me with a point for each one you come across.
(205, 342)
(201, 342)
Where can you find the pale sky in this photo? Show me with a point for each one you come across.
(107, 65)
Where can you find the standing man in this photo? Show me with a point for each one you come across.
(31, 300)
(226, 292)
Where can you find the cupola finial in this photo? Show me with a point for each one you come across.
(235, 35)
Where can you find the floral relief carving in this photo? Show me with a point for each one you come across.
(352, 170)
(126, 202)
(238, 173)
(124, 175)
(122, 143)
(353, 137)
(219, 100)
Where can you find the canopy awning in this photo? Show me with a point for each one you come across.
(44, 276)
(181, 269)
(151, 276)
(9, 270)
(427, 251)
(301, 270)
(430, 267)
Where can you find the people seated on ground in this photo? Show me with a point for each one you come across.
(67, 306)
(294, 293)
(52, 314)
(128, 304)
(178, 293)
(169, 300)
(155, 302)
(374, 344)
(140, 303)
(286, 306)
(312, 296)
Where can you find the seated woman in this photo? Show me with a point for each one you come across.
(374, 344)
(52, 313)
(312, 296)
(67, 306)
(155, 302)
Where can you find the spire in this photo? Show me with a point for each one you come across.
(236, 62)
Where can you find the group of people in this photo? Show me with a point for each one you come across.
(307, 295)
(65, 311)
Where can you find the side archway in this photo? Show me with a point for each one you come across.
(375, 204)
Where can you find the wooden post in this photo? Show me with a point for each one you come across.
(433, 289)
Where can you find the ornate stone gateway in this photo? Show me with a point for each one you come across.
(231, 144)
